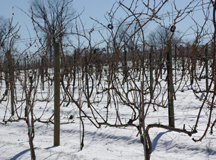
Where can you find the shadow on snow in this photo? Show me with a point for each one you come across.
(20, 154)
(155, 141)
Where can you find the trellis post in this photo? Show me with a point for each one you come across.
(56, 95)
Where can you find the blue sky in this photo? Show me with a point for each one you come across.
(97, 9)
(91, 8)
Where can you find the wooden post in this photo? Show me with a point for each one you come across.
(42, 71)
(193, 68)
(161, 63)
(182, 56)
(195, 64)
(11, 75)
(56, 95)
(74, 70)
(206, 66)
(170, 88)
(175, 63)
(25, 83)
(125, 64)
(151, 71)
(86, 73)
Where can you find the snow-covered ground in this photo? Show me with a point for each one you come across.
(109, 143)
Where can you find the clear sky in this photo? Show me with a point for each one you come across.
(97, 9)
(92, 8)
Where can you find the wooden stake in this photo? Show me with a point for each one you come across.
(206, 66)
(170, 88)
(56, 95)
(151, 71)
(11, 75)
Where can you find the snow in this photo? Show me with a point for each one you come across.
(109, 143)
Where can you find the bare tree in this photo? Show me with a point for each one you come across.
(3, 28)
(53, 18)
(161, 35)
